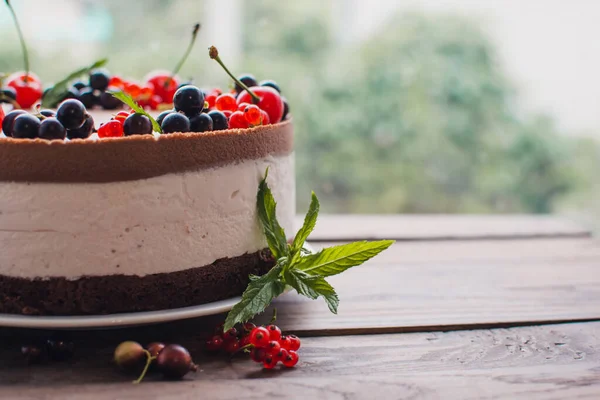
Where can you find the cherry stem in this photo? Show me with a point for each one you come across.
(214, 54)
(185, 55)
(21, 38)
(149, 360)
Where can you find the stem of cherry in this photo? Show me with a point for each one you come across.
(21, 38)
(185, 55)
(214, 54)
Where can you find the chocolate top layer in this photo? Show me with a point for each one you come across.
(137, 157)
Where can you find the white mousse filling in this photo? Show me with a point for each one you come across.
(164, 224)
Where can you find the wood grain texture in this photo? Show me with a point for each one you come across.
(550, 362)
(442, 227)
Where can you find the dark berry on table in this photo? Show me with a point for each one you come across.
(230, 334)
(59, 350)
(71, 113)
(9, 119)
(259, 337)
(274, 332)
(137, 124)
(84, 131)
(174, 361)
(50, 129)
(215, 343)
(8, 93)
(88, 97)
(220, 121)
(48, 113)
(78, 85)
(155, 348)
(99, 79)
(26, 126)
(189, 100)
(247, 80)
(201, 123)
(108, 101)
(32, 353)
(272, 84)
(130, 355)
(162, 116)
(291, 359)
(175, 122)
(258, 355)
(286, 109)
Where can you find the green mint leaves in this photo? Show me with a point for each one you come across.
(303, 272)
(59, 90)
(128, 100)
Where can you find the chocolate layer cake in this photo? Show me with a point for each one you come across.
(137, 223)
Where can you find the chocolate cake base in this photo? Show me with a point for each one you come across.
(93, 295)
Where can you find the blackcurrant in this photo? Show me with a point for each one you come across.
(78, 85)
(9, 119)
(71, 113)
(108, 101)
(175, 122)
(87, 97)
(286, 109)
(272, 84)
(8, 94)
(72, 93)
(50, 129)
(48, 113)
(162, 116)
(137, 124)
(84, 131)
(219, 119)
(201, 123)
(25, 126)
(247, 80)
(189, 100)
(99, 79)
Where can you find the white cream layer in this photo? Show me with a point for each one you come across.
(163, 224)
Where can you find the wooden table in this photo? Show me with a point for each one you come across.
(465, 307)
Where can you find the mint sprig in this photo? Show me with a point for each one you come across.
(295, 268)
(59, 90)
(128, 100)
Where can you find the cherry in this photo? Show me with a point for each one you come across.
(215, 343)
(175, 122)
(294, 342)
(137, 124)
(291, 359)
(258, 355)
(112, 128)
(259, 337)
(201, 123)
(163, 85)
(129, 355)
(84, 131)
(9, 120)
(231, 345)
(270, 362)
(269, 100)
(220, 121)
(248, 80)
(28, 89)
(238, 121)
(25, 126)
(226, 102)
(71, 113)
(155, 348)
(50, 129)
(252, 115)
(274, 332)
(174, 361)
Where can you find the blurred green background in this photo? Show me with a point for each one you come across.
(419, 116)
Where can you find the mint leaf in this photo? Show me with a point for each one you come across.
(127, 99)
(337, 259)
(58, 91)
(257, 296)
(274, 233)
(310, 221)
(312, 287)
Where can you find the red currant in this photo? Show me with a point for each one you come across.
(290, 359)
(121, 116)
(280, 355)
(226, 102)
(270, 101)
(249, 326)
(274, 332)
(230, 334)
(146, 92)
(270, 362)
(215, 343)
(273, 347)
(133, 89)
(242, 106)
(227, 113)
(285, 342)
(112, 128)
(238, 121)
(245, 341)
(252, 115)
(294, 342)
(231, 346)
(258, 355)
(158, 80)
(116, 81)
(211, 99)
(1, 116)
(264, 118)
(259, 337)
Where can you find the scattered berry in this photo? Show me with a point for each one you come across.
(84, 131)
(201, 123)
(129, 355)
(175, 122)
(226, 102)
(71, 113)
(238, 121)
(137, 124)
(245, 341)
(291, 359)
(219, 119)
(50, 129)
(174, 361)
(163, 85)
(249, 327)
(242, 106)
(78, 85)
(116, 81)
(111, 129)
(259, 337)
(25, 126)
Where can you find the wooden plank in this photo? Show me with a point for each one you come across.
(558, 362)
(442, 227)
(478, 284)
